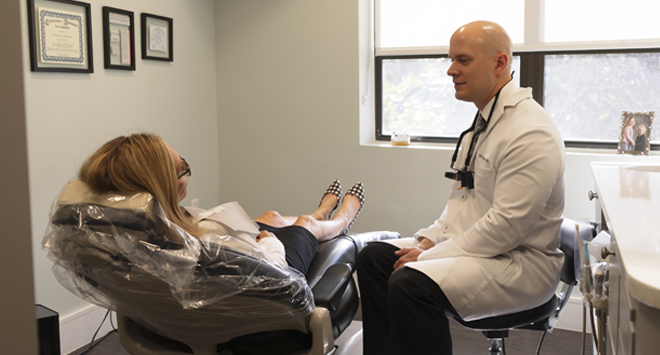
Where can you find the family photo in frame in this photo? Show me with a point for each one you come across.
(635, 133)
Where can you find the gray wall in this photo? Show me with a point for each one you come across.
(71, 115)
(18, 332)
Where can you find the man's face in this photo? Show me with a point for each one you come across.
(471, 69)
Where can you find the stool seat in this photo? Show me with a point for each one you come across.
(543, 317)
(513, 320)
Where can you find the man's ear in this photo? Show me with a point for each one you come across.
(501, 63)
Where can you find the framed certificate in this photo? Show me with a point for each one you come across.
(118, 39)
(156, 37)
(60, 33)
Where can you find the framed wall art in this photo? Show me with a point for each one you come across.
(60, 36)
(157, 39)
(118, 39)
(635, 136)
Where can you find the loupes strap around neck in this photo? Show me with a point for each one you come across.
(478, 127)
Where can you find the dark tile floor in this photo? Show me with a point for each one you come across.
(466, 342)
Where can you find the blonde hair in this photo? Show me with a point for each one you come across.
(641, 129)
(138, 163)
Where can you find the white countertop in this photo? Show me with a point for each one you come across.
(629, 196)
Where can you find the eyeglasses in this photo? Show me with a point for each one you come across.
(185, 172)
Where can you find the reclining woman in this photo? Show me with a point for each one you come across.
(146, 163)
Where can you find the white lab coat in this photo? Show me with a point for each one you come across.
(497, 246)
(229, 225)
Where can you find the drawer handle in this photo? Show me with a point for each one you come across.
(604, 253)
(592, 195)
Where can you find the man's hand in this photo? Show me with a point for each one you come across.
(411, 254)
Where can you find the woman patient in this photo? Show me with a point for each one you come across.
(146, 163)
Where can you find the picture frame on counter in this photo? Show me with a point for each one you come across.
(635, 134)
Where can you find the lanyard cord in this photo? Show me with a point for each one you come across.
(475, 136)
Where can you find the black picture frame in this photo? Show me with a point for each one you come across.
(79, 15)
(115, 20)
(147, 20)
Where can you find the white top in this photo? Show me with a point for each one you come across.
(229, 225)
(629, 196)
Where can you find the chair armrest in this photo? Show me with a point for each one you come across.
(342, 250)
(330, 288)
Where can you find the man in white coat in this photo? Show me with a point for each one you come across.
(495, 248)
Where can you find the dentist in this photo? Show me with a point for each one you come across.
(495, 248)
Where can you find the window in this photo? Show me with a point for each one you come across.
(418, 98)
(585, 70)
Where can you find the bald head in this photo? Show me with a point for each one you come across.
(489, 36)
(481, 54)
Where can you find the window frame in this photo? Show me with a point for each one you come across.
(532, 67)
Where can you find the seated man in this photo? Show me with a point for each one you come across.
(494, 250)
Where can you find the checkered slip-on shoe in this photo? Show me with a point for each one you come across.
(358, 191)
(335, 189)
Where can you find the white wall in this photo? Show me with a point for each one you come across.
(71, 115)
(290, 76)
(288, 98)
(263, 98)
(289, 101)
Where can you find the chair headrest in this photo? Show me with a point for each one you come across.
(112, 212)
(77, 191)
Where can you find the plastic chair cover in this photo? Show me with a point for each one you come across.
(121, 252)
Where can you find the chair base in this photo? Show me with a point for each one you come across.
(496, 338)
(495, 348)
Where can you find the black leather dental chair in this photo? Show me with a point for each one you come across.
(177, 295)
(544, 317)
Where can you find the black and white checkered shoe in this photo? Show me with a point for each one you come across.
(335, 189)
(358, 191)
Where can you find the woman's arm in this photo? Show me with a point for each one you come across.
(272, 247)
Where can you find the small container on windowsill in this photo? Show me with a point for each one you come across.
(400, 139)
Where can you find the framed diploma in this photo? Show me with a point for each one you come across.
(118, 39)
(156, 37)
(60, 34)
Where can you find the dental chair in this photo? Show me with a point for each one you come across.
(175, 294)
(544, 317)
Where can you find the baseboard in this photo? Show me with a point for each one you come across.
(78, 328)
(571, 319)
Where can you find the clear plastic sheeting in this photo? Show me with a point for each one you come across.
(594, 272)
(121, 252)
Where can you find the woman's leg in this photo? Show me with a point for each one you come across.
(274, 219)
(325, 230)
(319, 223)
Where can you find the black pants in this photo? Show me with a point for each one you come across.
(402, 313)
(300, 245)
